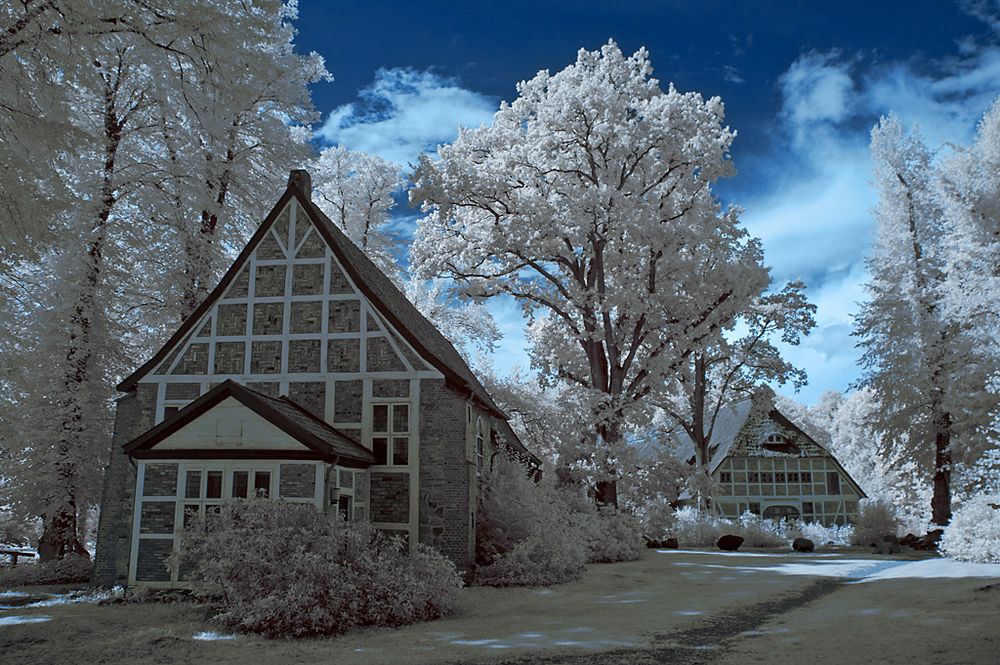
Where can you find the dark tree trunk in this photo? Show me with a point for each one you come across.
(941, 499)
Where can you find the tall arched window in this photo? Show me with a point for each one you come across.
(480, 445)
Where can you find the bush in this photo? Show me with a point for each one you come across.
(822, 535)
(288, 570)
(760, 532)
(610, 535)
(525, 533)
(71, 569)
(694, 529)
(876, 519)
(974, 532)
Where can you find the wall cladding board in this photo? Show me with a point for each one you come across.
(389, 497)
(270, 281)
(194, 360)
(347, 401)
(230, 357)
(310, 395)
(265, 358)
(303, 355)
(267, 318)
(345, 316)
(297, 481)
(232, 319)
(343, 355)
(306, 317)
(307, 279)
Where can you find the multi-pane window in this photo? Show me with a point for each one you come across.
(391, 433)
(202, 492)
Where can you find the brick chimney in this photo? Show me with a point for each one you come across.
(301, 178)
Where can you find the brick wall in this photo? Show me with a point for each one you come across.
(444, 472)
(160, 480)
(389, 498)
(297, 480)
(134, 415)
(152, 562)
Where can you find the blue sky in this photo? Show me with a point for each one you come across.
(803, 83)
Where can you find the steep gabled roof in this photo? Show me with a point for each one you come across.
(323, 440)
(510, 438)
(390, 302)
(730, 422)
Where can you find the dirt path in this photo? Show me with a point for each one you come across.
(703, 643)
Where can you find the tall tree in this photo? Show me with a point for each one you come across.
(589, 200)
(140, 107)
(730, 366)
(914, 359)
(356, 191)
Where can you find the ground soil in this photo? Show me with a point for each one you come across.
(669, 607)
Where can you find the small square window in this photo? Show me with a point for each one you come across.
(400, 454)
(380, 418)
(192, 485)
(241, 481)
(380, 448)
(213, 485)
(262, 484)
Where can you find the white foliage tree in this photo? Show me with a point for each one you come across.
(730, 366)
(155, 104)
(356, 191)
(916, 356)
(589, 200)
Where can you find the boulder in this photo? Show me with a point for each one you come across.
(908, 540)
(889, 544)
(803, 545)
(929, 541)
(730, 543)
(670, 544)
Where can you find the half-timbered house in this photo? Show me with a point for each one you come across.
(305, 376)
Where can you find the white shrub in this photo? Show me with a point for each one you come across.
(824, 535)
(974, 532)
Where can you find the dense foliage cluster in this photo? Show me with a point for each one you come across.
(71, 569)
(530, 534)
(289, 570)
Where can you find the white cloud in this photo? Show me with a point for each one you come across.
(817, 88)
(814, 214)
(405, 112)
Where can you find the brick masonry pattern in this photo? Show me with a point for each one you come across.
(160, 480)
(445, 475)
(157, 517)
(297, 480)
(152, 561)
(389, 498)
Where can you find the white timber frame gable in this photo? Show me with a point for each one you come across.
(212, 337)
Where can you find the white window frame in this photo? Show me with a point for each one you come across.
(390, 435)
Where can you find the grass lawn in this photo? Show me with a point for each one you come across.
(691, 607)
